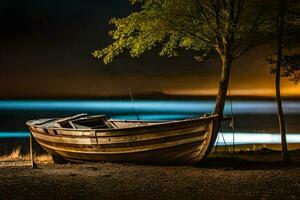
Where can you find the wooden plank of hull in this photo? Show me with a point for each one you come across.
(182, 143)
(181, 154)
(167, 152)
(121, 140)
(120, 149)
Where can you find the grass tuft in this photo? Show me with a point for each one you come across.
(12, 156)
(16, 155)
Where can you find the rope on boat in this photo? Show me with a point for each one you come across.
(232, 121)
(133, 104)
(227, 149)
(217, 143)
(232, 128)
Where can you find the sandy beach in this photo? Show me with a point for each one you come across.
(248, 176)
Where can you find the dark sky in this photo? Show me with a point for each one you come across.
(46, 48)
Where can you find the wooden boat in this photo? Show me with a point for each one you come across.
(96, 138)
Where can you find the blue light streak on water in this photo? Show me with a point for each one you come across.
(240, 138)
(109, 105)
(147, 106)
(23, 134)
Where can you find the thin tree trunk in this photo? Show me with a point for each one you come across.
(223, 86)
(280, 115)
(221, 97)
(222, 91)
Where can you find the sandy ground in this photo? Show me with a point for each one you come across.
(245, 177)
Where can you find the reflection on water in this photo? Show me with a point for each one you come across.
(252, 118)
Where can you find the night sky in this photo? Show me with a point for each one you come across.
(46, 48)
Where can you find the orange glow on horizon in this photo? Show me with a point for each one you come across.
(264, 92)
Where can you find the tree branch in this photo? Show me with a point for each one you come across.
(171, 23)
(250, 41)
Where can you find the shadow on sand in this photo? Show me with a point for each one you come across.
(265, 159)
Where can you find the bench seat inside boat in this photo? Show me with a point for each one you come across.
(83, 121)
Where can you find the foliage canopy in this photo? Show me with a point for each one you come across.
(290, 62)
(290, 66)
(205, 27)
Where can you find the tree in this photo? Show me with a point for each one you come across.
(286, 65)
(227, 28)
(289, 67)
(280, 27)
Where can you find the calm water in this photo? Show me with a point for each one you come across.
(255, 121)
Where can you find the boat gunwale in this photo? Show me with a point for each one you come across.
(112, 142)
(164, 123)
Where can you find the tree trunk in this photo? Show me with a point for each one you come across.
(280, 115)
(222, 90)
(221, 96)
(223, 85)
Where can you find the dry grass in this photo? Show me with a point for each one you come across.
(16, 155)
(228, 151)
(12, 156)
(43, 159)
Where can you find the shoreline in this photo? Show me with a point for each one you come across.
(217, 178)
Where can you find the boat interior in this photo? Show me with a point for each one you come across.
(84, 121)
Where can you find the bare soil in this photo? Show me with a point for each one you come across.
(247, 176)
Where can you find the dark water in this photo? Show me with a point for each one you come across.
(255, 121)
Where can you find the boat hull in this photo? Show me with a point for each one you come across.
(181, 142)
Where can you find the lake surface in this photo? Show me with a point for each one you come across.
(255, 121)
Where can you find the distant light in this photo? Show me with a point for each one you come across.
(149, 106)
(256, 138)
